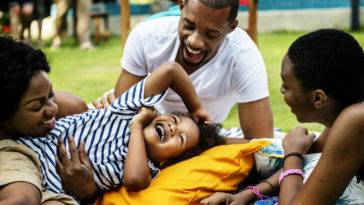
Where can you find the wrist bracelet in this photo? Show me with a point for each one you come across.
(293, 154)
(291, 172)
(270, 184)
(259, 196)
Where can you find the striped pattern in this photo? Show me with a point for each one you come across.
(105, 133)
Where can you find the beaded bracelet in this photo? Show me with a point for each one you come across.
(293, 154)
(290, 172)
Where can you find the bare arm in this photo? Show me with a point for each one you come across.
(172, 75)
(256, 119)
(342, 157)
(136, 171)
(69, 104)
(20, 193)
(246, 196)
(125, 81)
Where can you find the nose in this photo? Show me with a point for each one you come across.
(195, 40)
(172, 128)
(51, 108)
(282, 90)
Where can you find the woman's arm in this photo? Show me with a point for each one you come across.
(20, 193)
(342, 157)
(268, 187)
(136, 170)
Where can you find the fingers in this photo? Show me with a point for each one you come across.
(97, 104)
(83, 155)
(73, 150)
(111, 98)
(62, 153)
(104, 102)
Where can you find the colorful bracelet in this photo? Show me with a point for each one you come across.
(293, 154)
(290, 172)
(259, 196)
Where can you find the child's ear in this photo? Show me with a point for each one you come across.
(319, 99)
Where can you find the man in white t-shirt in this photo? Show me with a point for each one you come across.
(223, 63)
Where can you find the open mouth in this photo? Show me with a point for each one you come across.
(161, 131)
(192, 56)
(49, 123)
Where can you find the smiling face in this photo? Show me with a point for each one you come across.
(37, 108)
(169, 136)
(201, 31)
(300, 102)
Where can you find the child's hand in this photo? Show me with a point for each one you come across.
(298, 140)
(201, 115)
(145, 116)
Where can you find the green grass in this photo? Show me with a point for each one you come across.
(89, 74)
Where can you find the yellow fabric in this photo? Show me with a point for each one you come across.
(221, 168)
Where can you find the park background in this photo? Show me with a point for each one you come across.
(89, 74)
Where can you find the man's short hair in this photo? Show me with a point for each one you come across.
(221, 4)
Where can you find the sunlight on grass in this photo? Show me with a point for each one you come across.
(89, 74)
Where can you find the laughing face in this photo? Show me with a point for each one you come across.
(169, 136)
(299, 101)
(201, 31)
(37, 109)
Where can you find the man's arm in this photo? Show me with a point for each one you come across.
(69, 104)
(125, 81)
(256, 119)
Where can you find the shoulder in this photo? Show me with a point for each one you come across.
(19, 163)
(352, 115)
(159, 26)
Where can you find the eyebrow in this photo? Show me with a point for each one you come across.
(35, 99)
(209, 30)
(180, 118)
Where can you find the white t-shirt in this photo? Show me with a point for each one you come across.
(236, 74)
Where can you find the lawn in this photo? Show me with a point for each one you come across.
(89, 74)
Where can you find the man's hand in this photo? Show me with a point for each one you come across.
(76, 173)
(104, 102)
(145, 116)
(201, 115)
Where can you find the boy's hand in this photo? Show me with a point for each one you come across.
(201, 115)
(145, 116)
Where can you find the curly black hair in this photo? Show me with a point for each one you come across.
(209, 137)
(19, 63)
(331, 60)
(221, 4)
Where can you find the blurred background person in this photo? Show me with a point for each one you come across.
(20, 18)
(82, 11)
(42, 9)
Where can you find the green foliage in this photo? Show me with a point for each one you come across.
(89, 74)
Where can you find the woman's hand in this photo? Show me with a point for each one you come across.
(298, 140)
(225, 198)
(76, 173)
(201, 115)
(145, 116)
